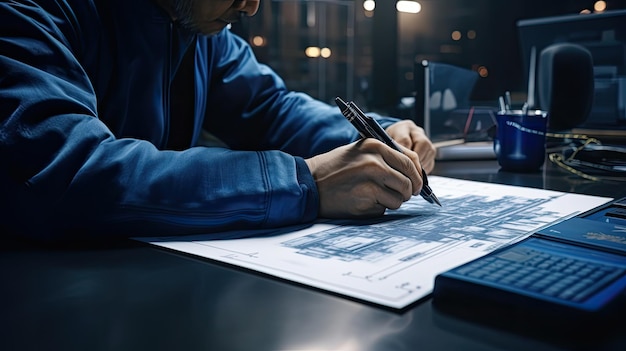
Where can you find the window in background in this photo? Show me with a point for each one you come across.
(310, 44)
(480, 35)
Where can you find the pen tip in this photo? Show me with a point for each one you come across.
(436, 200)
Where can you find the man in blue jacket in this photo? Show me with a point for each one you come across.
(149, 117)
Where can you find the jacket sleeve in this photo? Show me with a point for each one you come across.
(64, 174)
(262, 112)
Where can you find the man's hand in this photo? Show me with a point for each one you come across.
(409, 135)
(364, 178)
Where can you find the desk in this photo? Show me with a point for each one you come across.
(129, 296)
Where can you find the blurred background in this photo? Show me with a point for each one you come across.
(365, 50)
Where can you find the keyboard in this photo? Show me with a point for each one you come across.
(568, 276)
(540, 280)
(542, 272)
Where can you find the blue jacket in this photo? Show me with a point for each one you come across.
(85, 122)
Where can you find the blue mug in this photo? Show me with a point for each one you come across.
(520, 142)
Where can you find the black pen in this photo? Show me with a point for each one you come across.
(369, 128)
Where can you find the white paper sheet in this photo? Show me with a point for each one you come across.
(392, 261)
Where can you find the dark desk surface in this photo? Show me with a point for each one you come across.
(129, 296)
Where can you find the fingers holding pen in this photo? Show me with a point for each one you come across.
(407, 175)
(363, 179)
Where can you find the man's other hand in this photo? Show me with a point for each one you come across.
(409, 135)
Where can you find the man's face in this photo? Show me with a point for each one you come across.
(211, 16)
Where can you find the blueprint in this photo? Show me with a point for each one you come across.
(393, 260)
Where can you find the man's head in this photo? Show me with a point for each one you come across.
(208, 16)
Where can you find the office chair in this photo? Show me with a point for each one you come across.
(442, 89)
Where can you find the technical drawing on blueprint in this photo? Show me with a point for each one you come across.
(393, 260)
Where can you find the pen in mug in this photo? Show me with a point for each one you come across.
(369, 128)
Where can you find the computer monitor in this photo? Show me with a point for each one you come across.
(604, 35)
